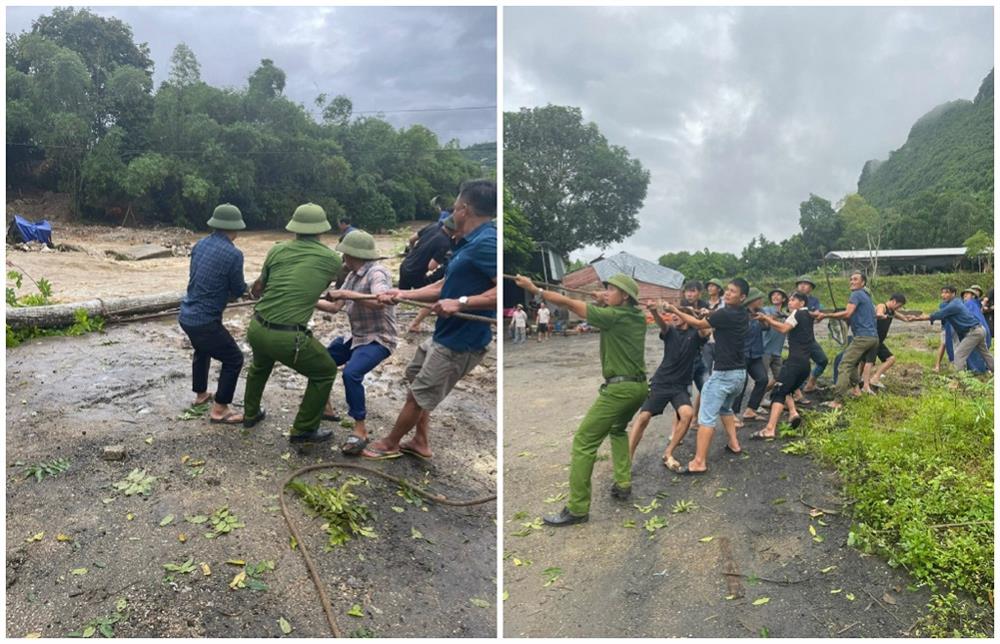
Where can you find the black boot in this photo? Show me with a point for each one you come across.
(565, 518)
(318, 436)
(622, 493)
(250, 422)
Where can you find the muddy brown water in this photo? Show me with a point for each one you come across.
(620, 582)
(71, 397)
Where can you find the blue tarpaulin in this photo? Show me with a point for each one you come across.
(25, 230)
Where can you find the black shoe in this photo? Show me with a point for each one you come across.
(250, 422)
(565, 518)
(334, 417)
(318, 436)
(621, 492)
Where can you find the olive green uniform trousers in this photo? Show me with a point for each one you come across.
(311, 360)
(608, 416)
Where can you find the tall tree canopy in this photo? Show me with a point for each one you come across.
(83, 117)
(573, 187)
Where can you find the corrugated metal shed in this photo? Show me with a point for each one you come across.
(641, 270)
(913, 253)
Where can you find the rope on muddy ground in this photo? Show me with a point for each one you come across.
(317, 582)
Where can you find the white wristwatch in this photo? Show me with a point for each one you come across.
(463, 301)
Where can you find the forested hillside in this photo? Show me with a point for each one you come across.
(941, 180)
(83, 117)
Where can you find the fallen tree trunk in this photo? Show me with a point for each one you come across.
(60, 315)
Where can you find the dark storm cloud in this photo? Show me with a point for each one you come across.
(740, 113)
(382, 58)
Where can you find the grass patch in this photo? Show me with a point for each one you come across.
(920, 470)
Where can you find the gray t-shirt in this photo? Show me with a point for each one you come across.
(863, 318)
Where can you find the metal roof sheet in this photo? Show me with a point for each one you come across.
(898, 254)
(639, 269)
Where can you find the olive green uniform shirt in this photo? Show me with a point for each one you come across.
(623, 339)
(295, 274)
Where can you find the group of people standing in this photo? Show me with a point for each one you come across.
(519, 323)
(715, 346)
(295, 280)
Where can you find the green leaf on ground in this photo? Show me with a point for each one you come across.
(761, 601)
(285, 627)
(194, 411)
(356, 611)
(551, 574)
(629, 523)
(555, 498)
(481, 603)
(828, 569)
(706, 539)
(653, 524)
(167, 520)
(529, 527)
(78, 571)
(183, 568)
(137, 482)
(684, 506)
(646, 509)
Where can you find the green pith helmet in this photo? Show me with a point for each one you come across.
(753, 295)
(227, 217)
(717, 282)
(784, 295)
(358, 243)
(308, 219)
(449, 223)
(977, 289)
(806, 279)
(626, 284)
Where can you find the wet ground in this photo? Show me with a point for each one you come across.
(70, 397)
(743, 551)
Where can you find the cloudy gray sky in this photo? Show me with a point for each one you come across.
(740, 113)
(382, 58)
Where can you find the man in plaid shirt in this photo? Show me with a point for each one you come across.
(373, 329)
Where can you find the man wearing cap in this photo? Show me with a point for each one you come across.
(373, 329)
(714, 289)
(623, 346)
(860, 311)
(753, 349)
(729, 326)
(458, 345)
(774, 340)
(294, 275)
(214, 278)
(805, 285)
(969, 328)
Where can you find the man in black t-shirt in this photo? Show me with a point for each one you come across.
(670, 383)
(795, 370)
(729, 324)
(692, 299)
(428, 252)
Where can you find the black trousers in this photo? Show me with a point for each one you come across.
(210, 341)
(758, 371)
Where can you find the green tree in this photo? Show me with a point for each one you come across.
(979, 247)
(184, 68)
(573, 187)
(821, 228)
(518, 245)
(703, 264)
(864, 228)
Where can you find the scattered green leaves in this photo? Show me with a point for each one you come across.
(223, 522)
(551, 574)
(556, 498)
(50, 468)
(137, 482)
(529, 527)
(345, 515)
(194, 411)
(183, 568)
(646, 509)
(684, 506)
(653, 524)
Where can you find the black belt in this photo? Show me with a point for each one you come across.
(280, 327)
(616, 379)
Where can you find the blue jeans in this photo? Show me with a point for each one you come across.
(718, 395)
(356, 362)
(817, 356)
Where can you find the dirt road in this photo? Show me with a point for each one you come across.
(741, 562)
(71, 397)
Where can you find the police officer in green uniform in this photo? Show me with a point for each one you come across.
(623, 352)
(294, 276)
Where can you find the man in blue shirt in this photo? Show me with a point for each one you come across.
(215, 277)
(861, 313)
(458, 345)
(968, 328)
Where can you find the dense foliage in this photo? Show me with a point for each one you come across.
(83, 117)
(573, 187)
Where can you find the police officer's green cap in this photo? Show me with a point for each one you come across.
(358, 243)
(806, 279)
(227, 217)
(784, 295)
(754, 294)
(308, 219)
(975, 289)
(626, 284)
(449, 223)
(717, 282)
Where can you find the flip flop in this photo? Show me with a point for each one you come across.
(353, 446)
(690, 472)
(795, 421)
(211, 398)
(407, 449)
(375, 454)
(733, 451)
(227, 419)
(673, 465)
(761, 436)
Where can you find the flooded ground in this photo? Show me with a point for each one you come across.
(79, 550)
